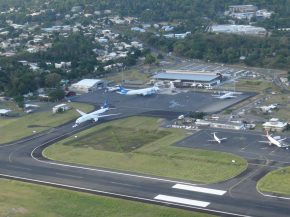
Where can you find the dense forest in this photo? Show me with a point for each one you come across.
(271, 52)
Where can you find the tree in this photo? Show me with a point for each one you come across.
(52, 80)
(19, 100)
(57, 94)
(150, 59)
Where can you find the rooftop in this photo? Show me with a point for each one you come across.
(87, 82)
(204, 77)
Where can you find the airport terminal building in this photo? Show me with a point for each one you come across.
(187, 78)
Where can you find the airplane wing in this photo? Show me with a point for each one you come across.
(101, 116)
(281, 140)
(80, 112)
(223, 139)
(264, 142)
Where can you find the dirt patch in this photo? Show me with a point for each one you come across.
(117, 139)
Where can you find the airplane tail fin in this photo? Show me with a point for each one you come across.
(105, 105)
(123, 90)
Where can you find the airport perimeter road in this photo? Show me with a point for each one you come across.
(24, 161)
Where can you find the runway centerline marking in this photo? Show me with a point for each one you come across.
(181, 200)
(199, 189)
(70, 176)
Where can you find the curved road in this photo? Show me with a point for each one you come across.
(23, 161)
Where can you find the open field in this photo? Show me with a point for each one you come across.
(157, 157)
(283, 100)
(133, 75)
(276, 182)
(111, 138)
(16, 128)
(19, 199)
(251, 85)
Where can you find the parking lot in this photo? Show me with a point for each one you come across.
(216, 68)
(178, 103)
(243, 143)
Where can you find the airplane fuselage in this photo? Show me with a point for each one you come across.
(216, 138)
(91, 116)
(143, 92)
(274, 141)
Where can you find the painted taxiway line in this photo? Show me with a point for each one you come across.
(181, 200)
(121, 195)
(273, 196)
(199, 189)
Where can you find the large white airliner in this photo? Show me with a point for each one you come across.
(216, 139)
(93, 116)
(143, 92)
(227, 95)
(275, 141)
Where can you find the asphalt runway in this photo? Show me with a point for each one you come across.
(178, 103)
(243, 143)
(24, 161)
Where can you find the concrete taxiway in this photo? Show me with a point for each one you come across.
(177, 103)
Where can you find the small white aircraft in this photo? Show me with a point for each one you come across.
(276, 140)
(216, 139)
(227, 95)
(143, 92)
(94, 116)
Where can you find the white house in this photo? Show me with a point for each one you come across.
(275, 125)
(60, 107)
(4, 112)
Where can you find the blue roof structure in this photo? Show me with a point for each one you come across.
(186, 77)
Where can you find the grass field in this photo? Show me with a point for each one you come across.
(19, 199)
(156, 157)
(132, 75)
(16, 128)
(276, 182)
(251, 85)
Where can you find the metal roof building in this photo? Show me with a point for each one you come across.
(86, 85)
(188, 76)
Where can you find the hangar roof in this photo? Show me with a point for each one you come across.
(87, 82)
(187, 77)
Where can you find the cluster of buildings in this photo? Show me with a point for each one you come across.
(113, 47)
(33, 37)
(247, 12)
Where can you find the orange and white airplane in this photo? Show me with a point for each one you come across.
(276, 140)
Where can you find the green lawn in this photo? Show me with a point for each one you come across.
(277, 182)
(156, 157)
(16, 128)
(19, 199)
(251, 85)
(132, 75)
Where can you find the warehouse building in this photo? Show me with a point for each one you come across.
(87, 85)
(187, 78)
(239, 29)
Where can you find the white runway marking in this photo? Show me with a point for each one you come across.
(199, 189)
(182, 200)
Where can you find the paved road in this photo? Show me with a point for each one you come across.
(24, 161)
